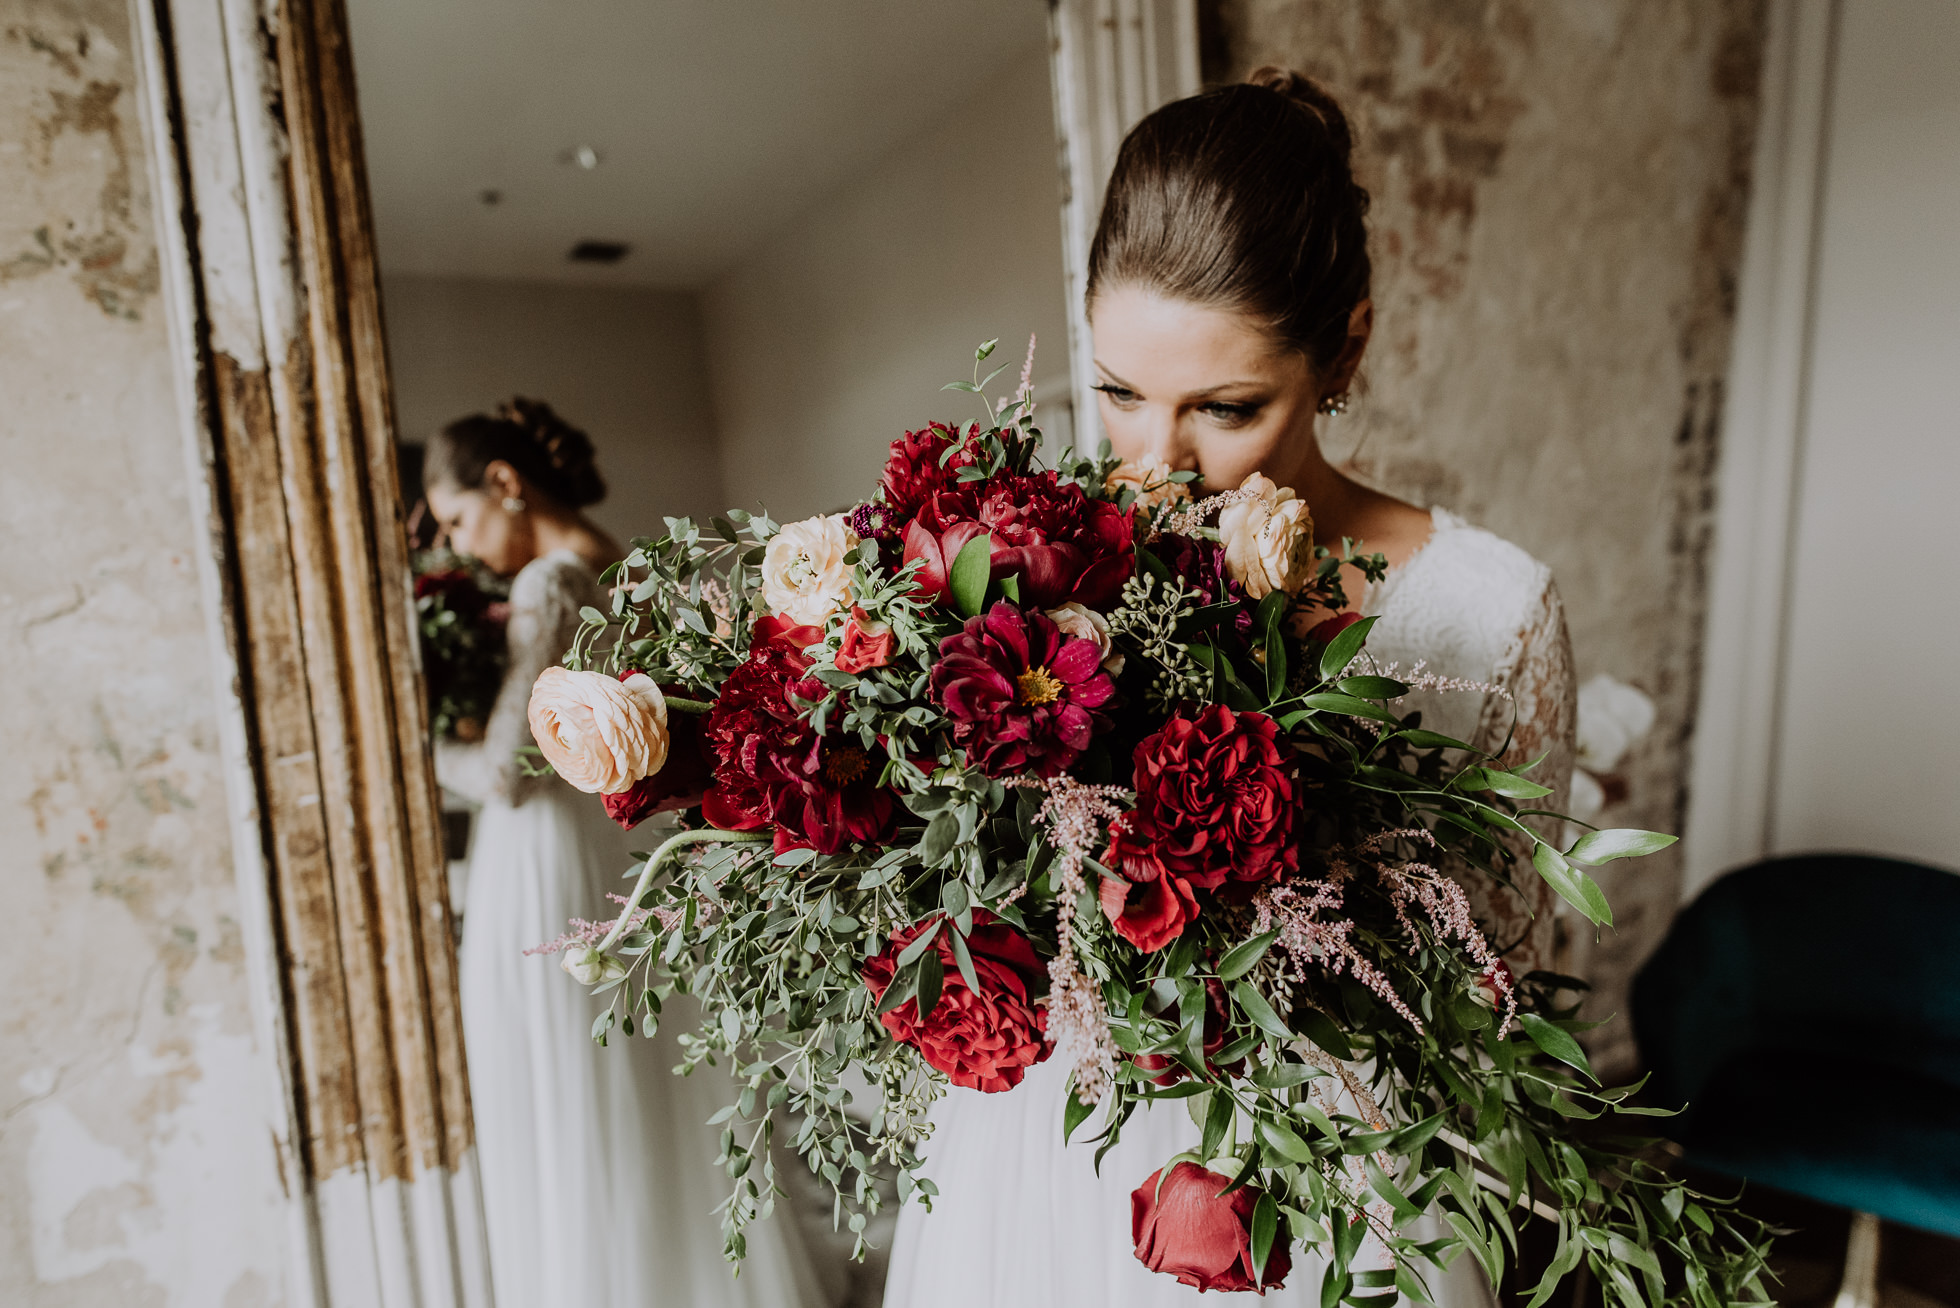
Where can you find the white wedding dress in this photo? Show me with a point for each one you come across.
(1023, 1222)
(599, 1183)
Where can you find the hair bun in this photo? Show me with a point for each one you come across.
(565, 448)
(1311, 96)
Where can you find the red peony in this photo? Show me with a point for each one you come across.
(1189, 1228)
(917, 469)
(682, 780)
(984, 1039)
(867, 644)
(1217, 1019)
(1022, 696)
(770, 768)
(1046, 532)
(1215, 801)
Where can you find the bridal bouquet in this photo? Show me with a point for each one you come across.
(1015, 762)
(460, 614)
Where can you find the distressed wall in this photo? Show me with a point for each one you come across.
(1559, 195)
(136, 1157)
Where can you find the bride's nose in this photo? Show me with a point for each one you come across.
(1166, 440)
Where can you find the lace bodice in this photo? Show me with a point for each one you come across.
(1471, 607)
(545, 599)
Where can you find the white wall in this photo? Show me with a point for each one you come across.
(835, 335)
(1868, 745)
(137, 1098)
(624, 364)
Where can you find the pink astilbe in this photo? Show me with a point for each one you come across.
(1306, 936)
(1076, 817)
(1188, 520)
(1420, 678)
(584, 934)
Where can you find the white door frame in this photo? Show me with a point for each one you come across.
(1733, 771)
(1111, 62)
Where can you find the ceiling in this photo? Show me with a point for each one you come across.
(715, 121)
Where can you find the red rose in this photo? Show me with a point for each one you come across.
(867, 644)
(681, 781)
(1189, 1228)
(820, 792)
(1215, 801)
(1022, 695)
(1325, 631)
(1217, 1020)
(1046, 532)
(983, 1039)
(772, 630)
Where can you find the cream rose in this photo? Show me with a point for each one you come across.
(1084, 623)
(587, 966)
(598, 732)
(1268, 539)
(806, 571)
(1150, 476)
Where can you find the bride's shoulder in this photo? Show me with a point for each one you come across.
(1477, 575)
(557, 578)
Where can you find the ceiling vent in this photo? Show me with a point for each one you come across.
(598, 252)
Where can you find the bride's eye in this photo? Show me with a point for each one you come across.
(1229, 415)
(1122, 396)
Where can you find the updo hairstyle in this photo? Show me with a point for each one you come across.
(1243, 198)
(548, 452)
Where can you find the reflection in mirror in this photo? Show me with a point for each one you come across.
(715, 248)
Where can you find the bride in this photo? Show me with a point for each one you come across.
(1229, 299)
(599, 1183)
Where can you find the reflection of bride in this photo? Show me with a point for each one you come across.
(1229, 286)
(599, 1178)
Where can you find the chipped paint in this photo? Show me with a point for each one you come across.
(1559, 191)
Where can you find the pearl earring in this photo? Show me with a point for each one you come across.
(1334, 405)
(513, 505)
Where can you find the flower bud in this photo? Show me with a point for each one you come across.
(586, 965)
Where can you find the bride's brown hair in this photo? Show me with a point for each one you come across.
(546, 451)
(1243, 198)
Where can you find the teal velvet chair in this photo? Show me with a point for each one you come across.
(1806, 1010)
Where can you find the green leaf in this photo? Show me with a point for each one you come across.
(587, 613)
(1217, 1119)
(1074, 1114)
(904, 986)
(1503, 783)
(1348, 705)
(1265, 1226)
(1373, 688)
(1255, 1006)
(965, 960)
(1619, 842)
(985, 349)
(932, 978)
(1573, 886)
(1319, 1028)
(1281, 1140)
(970, 573)
(921, 944)
(1556, 1042)
(1244, 957)
(1341, 650)
(968, 387)
(1010, 586)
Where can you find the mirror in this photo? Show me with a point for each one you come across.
(739, 247)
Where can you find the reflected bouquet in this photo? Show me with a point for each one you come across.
(460, 613)
(1016, 762)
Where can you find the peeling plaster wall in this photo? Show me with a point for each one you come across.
(1559, 195)
(136, 1158)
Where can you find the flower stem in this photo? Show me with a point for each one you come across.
(678, 841)
(694, 706)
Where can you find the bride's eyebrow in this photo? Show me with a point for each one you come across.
(1206, 393)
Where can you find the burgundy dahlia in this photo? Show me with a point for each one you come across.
(819, 792)
(1216, 794)
(1023, 697)
(1059, 543)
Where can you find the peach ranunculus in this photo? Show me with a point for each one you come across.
(1150, 476)
(600, 733)
(806, 570)
(1268, 537)
(1084, 623)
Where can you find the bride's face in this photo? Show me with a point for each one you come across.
(1202, 389)
(477, 523)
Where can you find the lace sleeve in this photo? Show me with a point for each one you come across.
(544, 616)
(1539, 717)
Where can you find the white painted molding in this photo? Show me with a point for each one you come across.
(1732, 776)
(1111, 62)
